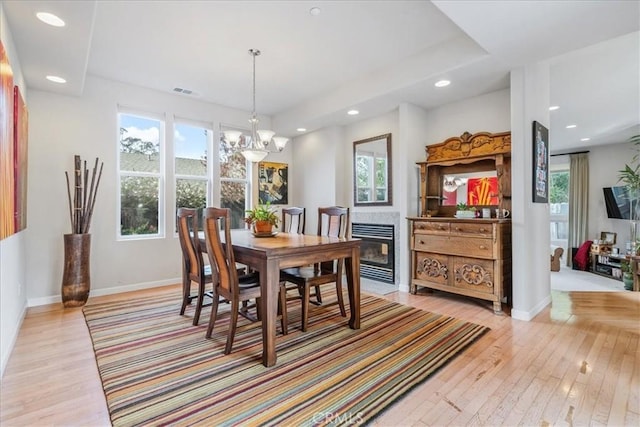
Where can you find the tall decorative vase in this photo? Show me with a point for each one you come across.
(76, 280)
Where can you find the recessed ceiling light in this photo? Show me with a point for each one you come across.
(584, 139)
(56, 79)
(314, 11)
(554, 107)
(51, 19)
(301, 129)
(571, 126)
(353, 112)
(442, 83)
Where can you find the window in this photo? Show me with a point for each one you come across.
(235, 179)
(371, 177)
(140, 173)
(559, 207)
(191, 166)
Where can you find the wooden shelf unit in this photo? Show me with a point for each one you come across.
(469, 257)
(479, 152)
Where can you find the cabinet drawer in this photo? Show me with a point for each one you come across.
(485, 230)
(432, 267)
(431, 227)
(476, 274)
(474, 247)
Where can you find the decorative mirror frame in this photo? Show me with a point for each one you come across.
(389, 201)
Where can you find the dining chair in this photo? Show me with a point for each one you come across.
(227, 283)
(193, 266)
(293, 219)
(332, 221)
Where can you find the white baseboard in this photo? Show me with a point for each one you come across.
(529, 315)
(12, 342)
(34, 302)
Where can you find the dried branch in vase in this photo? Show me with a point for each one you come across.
(84, 195)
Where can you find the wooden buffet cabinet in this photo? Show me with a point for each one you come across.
(469, 257)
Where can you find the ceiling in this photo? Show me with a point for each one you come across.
(367, 55)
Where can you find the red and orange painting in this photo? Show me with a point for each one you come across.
(7, 185)
(482, 191)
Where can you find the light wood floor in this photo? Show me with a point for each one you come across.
(575, 364)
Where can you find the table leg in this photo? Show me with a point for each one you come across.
(269, 288)
(352, 265)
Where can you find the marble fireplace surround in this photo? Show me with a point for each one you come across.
(392, 218)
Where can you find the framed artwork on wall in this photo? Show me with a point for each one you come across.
(20, 138)
(7, 195)
(273, 183)
(482, 191)
(540, 163)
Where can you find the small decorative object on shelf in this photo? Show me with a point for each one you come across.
(464, 211)
(262, 218)
(76, 278)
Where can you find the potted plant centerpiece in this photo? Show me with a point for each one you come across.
(464, 211)
(262, 218)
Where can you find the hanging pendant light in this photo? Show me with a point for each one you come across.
(257, 145)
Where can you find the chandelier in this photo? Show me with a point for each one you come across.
(256, 146)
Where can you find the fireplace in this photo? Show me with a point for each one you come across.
(376, 251)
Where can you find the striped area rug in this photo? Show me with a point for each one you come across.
(158, 369)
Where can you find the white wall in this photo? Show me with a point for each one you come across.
(412, 129)
(604, 164)
(529, 221)
(318, 172)
(87, 126)
(13, 249)
(486, 113)
(364, 129)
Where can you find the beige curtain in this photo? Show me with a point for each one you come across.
(578, 201)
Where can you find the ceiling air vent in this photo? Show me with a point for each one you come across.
(183, 91)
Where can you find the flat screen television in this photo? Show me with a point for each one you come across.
(617, 201)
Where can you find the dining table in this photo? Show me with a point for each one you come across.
(269, 254)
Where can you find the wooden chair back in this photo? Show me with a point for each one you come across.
(217, 222)
(293, 219)
(333, 221)
(193, 262)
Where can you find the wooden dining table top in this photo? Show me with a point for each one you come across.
(268, 255)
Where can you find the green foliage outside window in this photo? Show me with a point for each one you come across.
(139, 205)
(559, 188)
(364, 164)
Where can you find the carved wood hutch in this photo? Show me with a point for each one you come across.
(470, 257)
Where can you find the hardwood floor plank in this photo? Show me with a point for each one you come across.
(576, 363)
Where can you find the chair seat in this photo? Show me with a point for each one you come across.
(307, 274)
(247, 281)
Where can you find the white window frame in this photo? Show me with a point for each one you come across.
(373, 166)
(210, 161)
(247, 181)
(160, 175)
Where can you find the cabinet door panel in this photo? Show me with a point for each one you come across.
(432, 267)
(472, 273)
